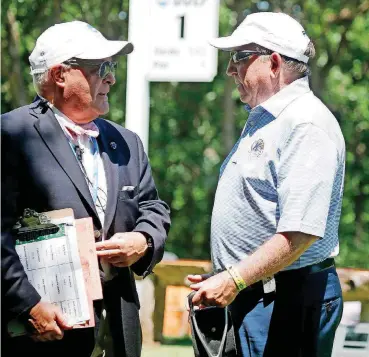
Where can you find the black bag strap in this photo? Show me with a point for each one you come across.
(196, 329)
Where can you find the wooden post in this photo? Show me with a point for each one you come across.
(172, 273)
(160, 289)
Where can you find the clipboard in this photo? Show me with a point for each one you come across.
(89, 263)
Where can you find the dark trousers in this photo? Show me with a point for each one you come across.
(78, 343)
(75, 343)
(299, 320)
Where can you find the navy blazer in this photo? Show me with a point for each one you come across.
(40, 171)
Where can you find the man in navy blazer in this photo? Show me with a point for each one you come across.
(57, 153)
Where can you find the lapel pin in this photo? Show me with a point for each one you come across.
(113, 145)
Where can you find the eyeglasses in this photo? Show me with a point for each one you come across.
(238, 56)
(104, 68)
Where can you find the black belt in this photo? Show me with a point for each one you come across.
(310, 269)
(297, 273)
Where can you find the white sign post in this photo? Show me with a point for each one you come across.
(171, 45)
(138, 95)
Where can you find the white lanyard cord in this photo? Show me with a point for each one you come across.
(93, 186)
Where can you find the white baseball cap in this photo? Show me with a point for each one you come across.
(73, 39)
(275, 31)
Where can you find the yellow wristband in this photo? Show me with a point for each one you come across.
(237, 278)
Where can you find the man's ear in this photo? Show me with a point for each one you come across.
(57, 74)
(276, 64)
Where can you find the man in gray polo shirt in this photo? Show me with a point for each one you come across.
(274, 229)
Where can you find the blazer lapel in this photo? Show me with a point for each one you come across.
(54, 138)
(109, 155)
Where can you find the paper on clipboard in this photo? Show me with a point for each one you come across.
(90, 266)
(69, 306)
(87, 252)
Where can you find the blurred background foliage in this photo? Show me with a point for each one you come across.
(194, 125)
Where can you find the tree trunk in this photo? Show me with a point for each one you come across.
(228, 132)
(229, 122)
(57, 12)
(17, 86)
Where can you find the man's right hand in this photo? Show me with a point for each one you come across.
(199, 278)
(48, 322)
(194, 279)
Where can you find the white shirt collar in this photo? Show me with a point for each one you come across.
(90, 129)
(279, 101)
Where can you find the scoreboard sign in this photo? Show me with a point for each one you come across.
(178, 33)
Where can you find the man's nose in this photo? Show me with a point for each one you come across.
(231, 69)
(110, 79)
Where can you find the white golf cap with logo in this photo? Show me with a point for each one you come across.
(64, 41)
(278, 32)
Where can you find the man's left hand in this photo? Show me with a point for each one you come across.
(219, 290)
(122, 249)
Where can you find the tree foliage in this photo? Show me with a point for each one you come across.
(194, 125)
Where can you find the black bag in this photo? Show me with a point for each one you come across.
(212, 331)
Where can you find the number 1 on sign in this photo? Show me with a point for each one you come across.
(182, 26)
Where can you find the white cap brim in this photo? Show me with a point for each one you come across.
(106, 49)
(231, 43)
(228, 43)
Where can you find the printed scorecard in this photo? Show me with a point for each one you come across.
(179, 31)
(53, 267)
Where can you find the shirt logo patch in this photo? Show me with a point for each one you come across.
(257, 147)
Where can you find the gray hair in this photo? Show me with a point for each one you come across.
(41, 80)
(292, 65)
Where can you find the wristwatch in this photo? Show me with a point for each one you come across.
(150, 242)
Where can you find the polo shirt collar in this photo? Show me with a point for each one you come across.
(279, 101)
(247, 108)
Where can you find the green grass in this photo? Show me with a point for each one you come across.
(167, 351)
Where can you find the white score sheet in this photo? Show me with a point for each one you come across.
(53, 267)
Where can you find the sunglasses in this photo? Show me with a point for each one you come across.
(104, 68)
(238, 56)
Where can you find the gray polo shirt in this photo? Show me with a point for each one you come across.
(285, 174)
